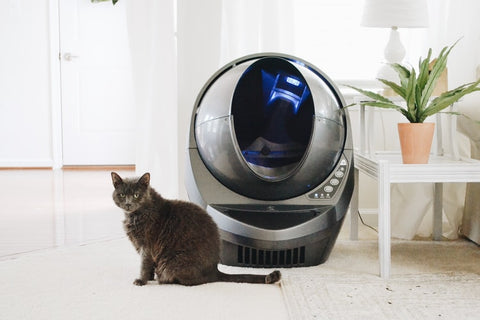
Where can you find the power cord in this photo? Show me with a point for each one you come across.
(363, 222)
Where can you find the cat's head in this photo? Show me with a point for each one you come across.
(130, 193)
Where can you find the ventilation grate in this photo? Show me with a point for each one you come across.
(271, 258)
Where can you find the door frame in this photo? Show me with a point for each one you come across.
(55, 84)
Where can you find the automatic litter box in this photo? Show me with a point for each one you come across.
(270, 159)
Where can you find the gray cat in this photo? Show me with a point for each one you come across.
(177, 240)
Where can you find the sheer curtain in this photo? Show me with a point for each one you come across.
(151, 32)
(253, 26)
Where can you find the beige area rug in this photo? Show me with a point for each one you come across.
(94, 282)
(431, 280)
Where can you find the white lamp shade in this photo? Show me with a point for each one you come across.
(395, 13)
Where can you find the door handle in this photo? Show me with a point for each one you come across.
(67, 56)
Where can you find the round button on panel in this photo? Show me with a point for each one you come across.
(334, 182)
(328, 188)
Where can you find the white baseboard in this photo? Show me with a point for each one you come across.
(45, 163)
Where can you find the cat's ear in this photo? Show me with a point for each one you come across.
(144, 180)
(116, 179)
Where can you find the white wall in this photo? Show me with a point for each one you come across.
(25, 108)
(25, 114)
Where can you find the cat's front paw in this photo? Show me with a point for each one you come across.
(139, 282)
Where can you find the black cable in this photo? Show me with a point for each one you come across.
(363, 222)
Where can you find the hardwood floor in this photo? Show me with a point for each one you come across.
(43, 209)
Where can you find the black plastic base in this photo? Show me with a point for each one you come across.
(303, 252)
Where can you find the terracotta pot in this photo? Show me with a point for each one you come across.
(416, 141)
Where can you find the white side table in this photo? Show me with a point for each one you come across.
(388, 168)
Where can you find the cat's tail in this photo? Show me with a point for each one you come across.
(249, 278)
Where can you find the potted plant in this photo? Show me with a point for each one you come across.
(416, 91)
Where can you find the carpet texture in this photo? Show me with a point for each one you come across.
(95, 282)
(431, 280)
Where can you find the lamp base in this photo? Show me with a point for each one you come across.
(394, 53)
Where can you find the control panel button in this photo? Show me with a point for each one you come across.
(328, 189)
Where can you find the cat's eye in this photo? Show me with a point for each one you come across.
(122, 195)
(136, 195)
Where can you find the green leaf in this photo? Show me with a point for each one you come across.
(386, 105)
(410, 95)
(114, 1)
(370, 94)
(423, 74)
(395, 87)
(448, 98)
(423, 71)
(435, 73)
(403, 73)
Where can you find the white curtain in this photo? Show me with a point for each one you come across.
(151, 29)
(253, 26)
(198, 54)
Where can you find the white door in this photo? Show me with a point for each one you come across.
(97, 100)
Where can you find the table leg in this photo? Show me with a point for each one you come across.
(354, 208)
(437, 211)
(384, 229)
(363, 132)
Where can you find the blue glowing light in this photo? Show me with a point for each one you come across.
(293, 81)
(287, 88)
